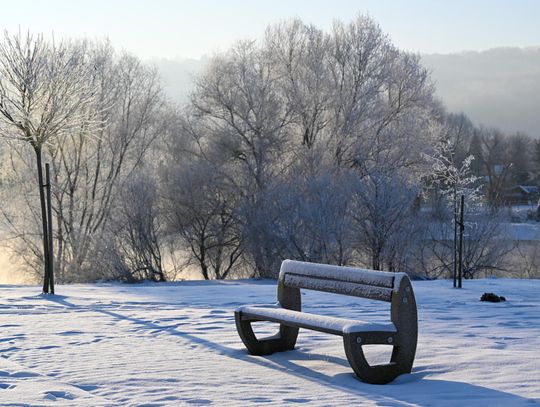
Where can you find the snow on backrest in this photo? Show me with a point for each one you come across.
(372, 284)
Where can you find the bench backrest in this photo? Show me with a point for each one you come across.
(375, 285)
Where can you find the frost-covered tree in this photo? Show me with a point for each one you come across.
(346, 100)
(200, 198)
(382, 214)
(496, 164)
(90, 161)
(520, 152)
(138, 229)
(200, 209)
(243, 111)
(451, 177)
(299, 55)
(304, 216)
(91, 166)
(45, 88)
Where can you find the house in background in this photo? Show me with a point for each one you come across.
(521, 195)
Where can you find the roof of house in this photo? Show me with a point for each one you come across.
(529, 189)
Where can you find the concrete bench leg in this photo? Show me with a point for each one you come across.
(284, 340)
(400, 362)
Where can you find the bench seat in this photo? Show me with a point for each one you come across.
(321, 323)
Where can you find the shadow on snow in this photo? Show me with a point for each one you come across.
(406, 389)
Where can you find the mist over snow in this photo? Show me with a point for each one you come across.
(495, 88)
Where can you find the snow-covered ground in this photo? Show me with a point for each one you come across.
(176, 344)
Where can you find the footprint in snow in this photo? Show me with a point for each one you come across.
(296, 400)
(259, 400)
(87, 387)
(218, 311)
(199, 402)
(449, 318)
(24, 374)
(208, 328)
(69, 333)
(12, 338)
(53, 395)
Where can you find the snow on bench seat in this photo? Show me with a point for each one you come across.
(332, 325)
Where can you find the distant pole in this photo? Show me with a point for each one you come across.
(461, 228)
(50, 237)
(455, 238)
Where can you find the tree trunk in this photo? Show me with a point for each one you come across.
(43, 221)
(50, 230)
(376, 259)
(204, 270)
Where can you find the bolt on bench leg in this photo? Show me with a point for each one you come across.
(284, 340)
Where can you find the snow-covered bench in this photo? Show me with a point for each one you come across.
(401, 331)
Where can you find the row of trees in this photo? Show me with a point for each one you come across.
(312, 145)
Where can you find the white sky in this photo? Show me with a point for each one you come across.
(191, 29)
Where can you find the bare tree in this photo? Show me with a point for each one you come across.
(382, 211)
(124, 117)
(244, 114)
(496, 164)
(44, 93)
(520, 151)
(485, 246)
(201, 208)
(91, 166)
(138, 230)
(383, 100)
(302, 215)
(246, 120)
(299, 56)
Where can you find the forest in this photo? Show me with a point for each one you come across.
(321, 146)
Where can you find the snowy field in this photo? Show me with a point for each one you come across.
(176, 344)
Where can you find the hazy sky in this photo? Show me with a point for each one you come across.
(192, 28)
